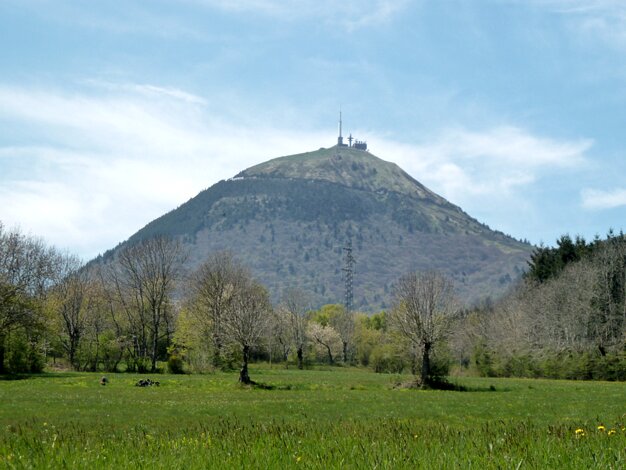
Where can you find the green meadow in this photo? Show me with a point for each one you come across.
(322, 418)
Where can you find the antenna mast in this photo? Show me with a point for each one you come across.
(340, 138)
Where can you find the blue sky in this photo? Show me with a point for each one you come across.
(113, 113)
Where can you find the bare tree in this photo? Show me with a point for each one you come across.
(280, 332)
(248, 318)
(71, 300)
(143, 278)
(343, 323)
(423, 311)
(213, 295)
(297, 303)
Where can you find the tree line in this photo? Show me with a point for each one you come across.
(139, 311)
(565, 319)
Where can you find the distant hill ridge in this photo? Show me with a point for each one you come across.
(289, 218)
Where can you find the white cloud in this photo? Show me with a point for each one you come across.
(594, 199)
(115, 156)
(461, 164)
(112, 162)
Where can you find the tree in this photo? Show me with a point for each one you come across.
(213, 295)
(280, 332)
(546, 263)
(423, 311)
(27, 271)
(71, 301)
(144, 277)
(326, 338)
(246, 321)
(297, 303)
(342, 320)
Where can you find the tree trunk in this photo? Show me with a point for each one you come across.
(330, 355)
(300, 361)
(425, 376)
(217, 352)
(155, 345)
(345, 352)
(244, 377)
(2, 350)
(73, 347)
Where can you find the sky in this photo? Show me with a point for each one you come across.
(114, 113)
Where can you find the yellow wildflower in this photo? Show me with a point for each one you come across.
(580, 432)
(601, 428)
(611, 432)
(298, 459)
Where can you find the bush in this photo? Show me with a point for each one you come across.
(175, 362)
(23, 356)
(483, 360)
(386, 358)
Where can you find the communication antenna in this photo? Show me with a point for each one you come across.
(349, 273)
(340, 138)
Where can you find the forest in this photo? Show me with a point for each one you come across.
(140, 312)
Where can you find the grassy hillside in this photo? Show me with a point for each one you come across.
(346, 166)
(336, 418)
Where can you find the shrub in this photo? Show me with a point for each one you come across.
(385, 358)
(175, 361)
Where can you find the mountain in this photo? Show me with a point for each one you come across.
(290, 219)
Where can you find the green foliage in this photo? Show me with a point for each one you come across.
(366, 339)
(546, 263)
(327, 314)
(176, 360)
(483, 359)
(378, 322)
(24, 355)
(569, 366)
(111, 351)
(389, 358)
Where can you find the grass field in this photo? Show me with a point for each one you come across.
(336, 418)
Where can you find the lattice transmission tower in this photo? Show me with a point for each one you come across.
(348, 269)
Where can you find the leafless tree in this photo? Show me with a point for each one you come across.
(143, 278)
(280, 332)
(71, 299)
(246, 321)
(296, 303)
(212, 292)
(423, 311)
(609, 297)
(343, 323)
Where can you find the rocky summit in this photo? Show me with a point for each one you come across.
(291, 219)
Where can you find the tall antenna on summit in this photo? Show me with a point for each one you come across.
(340, 138)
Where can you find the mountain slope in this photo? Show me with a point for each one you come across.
(290, 218)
